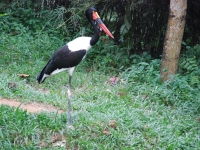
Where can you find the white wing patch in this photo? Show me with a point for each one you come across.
(79, 43)
(44, 76)
(70, 70)
(58, 70)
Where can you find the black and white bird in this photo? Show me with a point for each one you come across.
(71, 54)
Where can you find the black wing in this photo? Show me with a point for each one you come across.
(62, 59)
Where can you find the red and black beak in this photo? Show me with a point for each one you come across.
(100, 23)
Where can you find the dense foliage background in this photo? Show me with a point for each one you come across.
(149, 114)
(138, 25)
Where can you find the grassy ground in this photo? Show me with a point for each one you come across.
(138, 112)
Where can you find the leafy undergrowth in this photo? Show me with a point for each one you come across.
(135, 111)
(20, 130)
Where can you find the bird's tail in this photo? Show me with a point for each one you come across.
(42, 76)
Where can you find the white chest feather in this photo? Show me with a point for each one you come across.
(79, 43)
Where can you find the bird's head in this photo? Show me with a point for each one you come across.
(93, 17)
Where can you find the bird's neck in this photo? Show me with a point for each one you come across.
(95, 37)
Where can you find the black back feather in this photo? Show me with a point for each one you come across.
(61, 59)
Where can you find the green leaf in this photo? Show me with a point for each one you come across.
(1, 15)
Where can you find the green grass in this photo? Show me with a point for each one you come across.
(148, 114)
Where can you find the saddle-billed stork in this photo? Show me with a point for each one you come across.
(71, 54)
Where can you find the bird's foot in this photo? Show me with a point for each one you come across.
(71, 127)
(69, 122)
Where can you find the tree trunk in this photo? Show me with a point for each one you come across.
(173, 38)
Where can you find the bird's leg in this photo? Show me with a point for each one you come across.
(69, 102)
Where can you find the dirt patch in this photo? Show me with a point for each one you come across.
(30, 107)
